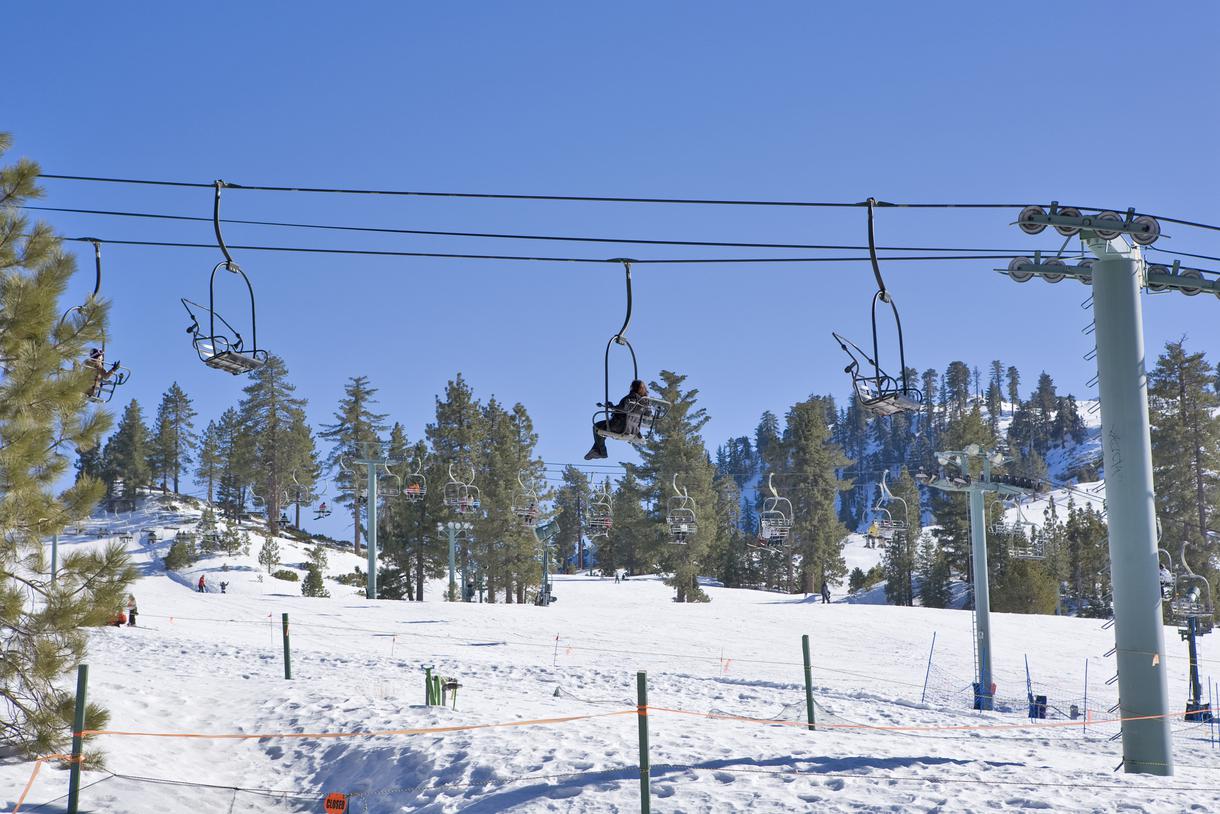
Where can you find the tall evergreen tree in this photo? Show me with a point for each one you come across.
(271, 416)
(174, 440)
(237, 462)
(677, 448)
(210, 464)
(571, 508)
(1185, 412)
(355, 432)
(43, 416)
(813, 459)
(127, 452)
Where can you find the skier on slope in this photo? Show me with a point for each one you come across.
(203, 584)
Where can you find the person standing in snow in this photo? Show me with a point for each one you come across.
(132, 610)
(203, 584)
(825, 592)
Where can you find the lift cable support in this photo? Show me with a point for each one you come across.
(526, 505)
(224, 350)
(1117, 274)
(1022, 538)
(975, 459)
(105, 379)
(1189, 603)
(774, 520)
(633, 418)
(376, 463)
(880, 393)
(461, 496)
(600, 517)
(544, 534)
(680, 515)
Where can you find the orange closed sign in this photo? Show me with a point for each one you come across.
(335, 803)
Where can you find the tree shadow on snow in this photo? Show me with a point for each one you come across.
(811, 767)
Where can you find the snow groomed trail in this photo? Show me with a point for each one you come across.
(545, 718)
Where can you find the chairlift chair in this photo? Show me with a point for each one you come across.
(221, 350)
(1166, 576)
(415, 485)
(525, 503)
(880, 393)
(105, 379)
(600, 517)
(680, 515)
(1022, 538)
(775, 519)
(460, 496)
(635, 422)
(1192, 598)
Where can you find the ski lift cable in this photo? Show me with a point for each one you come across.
(510, 236)
(550, 259)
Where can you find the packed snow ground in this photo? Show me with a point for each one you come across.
(212, 663)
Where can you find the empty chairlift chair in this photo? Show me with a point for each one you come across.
(681, 516)
(1022, 538)
(879, 393)
(775, 518)
(224, 349)
(600, 516)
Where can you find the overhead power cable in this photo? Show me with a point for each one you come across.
(526, 197)
(507, 236)
(539, 259)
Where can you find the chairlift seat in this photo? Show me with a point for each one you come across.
(233, 362)
(636, 422)
(889, 404)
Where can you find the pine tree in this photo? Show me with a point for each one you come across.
(455, 436)
(43, 417)
(271, 417)
(269, 554)
(677, 448)
(236, 453)
(174, 440)
(571, 508)
(355, 433)
(814, 459)
(1184, 409)
(314, 585)
(934, 574)
(127, 452)
(210, 462)
(1014, 386)
(631, 530)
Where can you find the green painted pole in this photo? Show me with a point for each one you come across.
(452, 562)
(371, 592)
(1139, 634)
(287, 654)
(982, 596)
(808, 682)
(641, 691)
(78, 726)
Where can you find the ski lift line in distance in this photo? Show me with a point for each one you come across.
(681, 515)
(880, 394)
(510, 236)
(639, 413)
(218, 350)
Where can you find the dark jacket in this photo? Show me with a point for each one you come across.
(628, 413)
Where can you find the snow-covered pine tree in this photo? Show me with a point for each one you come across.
(43, 418)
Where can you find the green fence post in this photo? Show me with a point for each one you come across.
(641, 690)
(287, 655)
(78, 726)
(808, 682)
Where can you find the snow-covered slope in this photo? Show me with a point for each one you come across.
(212, 664)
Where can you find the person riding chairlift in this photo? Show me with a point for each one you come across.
(625, 419)
(97, 361)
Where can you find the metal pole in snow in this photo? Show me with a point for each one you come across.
(452, 562)
(808, 681)
(1139, 636)
(371, 592)
(78, 726)
(641, 690)
(287, 652)
(927, 674)
(983, 698)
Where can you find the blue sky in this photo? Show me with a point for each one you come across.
(1098, 104)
